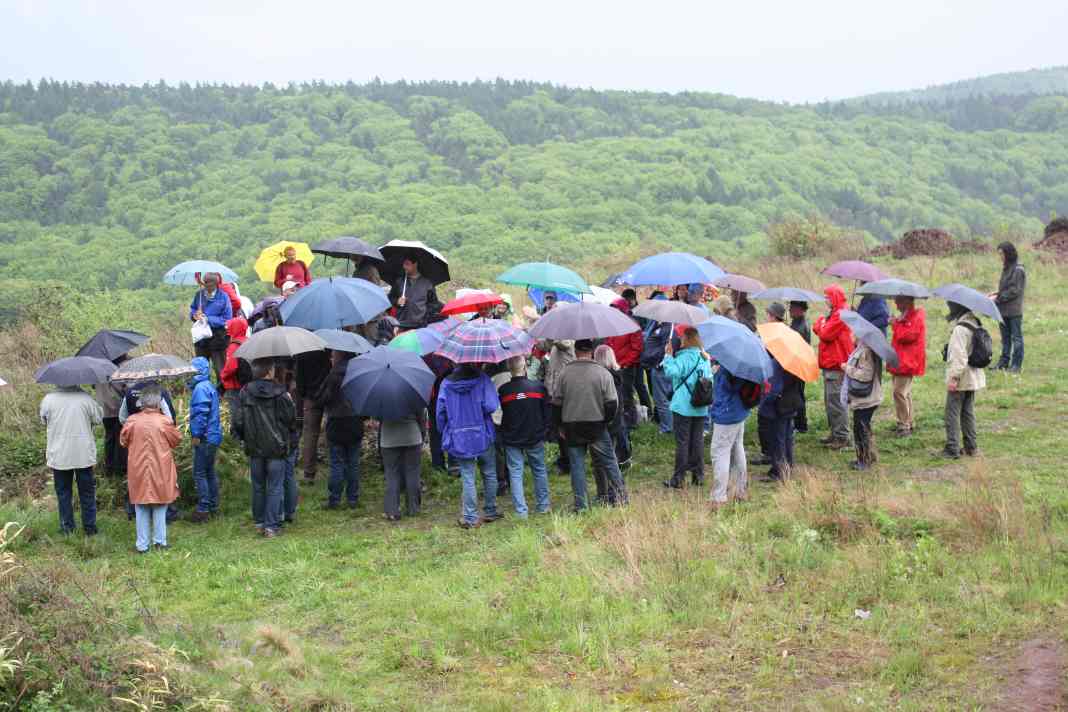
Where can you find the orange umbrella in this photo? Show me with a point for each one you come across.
(790, 350)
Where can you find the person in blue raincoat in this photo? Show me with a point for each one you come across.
(205, 429)
(874, 309)
(212, 304)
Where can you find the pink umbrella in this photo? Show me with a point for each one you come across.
(856, 269)
(739, 283)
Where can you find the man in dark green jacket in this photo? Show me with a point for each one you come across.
(1010, 299)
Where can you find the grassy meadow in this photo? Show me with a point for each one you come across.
(662, 605)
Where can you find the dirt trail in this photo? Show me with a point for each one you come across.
(1035, 680)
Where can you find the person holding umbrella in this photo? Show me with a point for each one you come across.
(344, 433)
(799, 323)
(686, 369)
(910, 344)
(793, 362)
(69, 413)
(212, 306)
(963, 380)
(835, 346)
(413, 295)
(627, 349)
(290, 269)
(151, 438)
(657, 337)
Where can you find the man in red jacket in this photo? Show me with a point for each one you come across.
(910, 344)
(836, 344)
(628, 350)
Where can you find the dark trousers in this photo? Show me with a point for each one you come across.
(217, 358)
(313, 426)
(689, 448)
(438, 457)
(114, 453)
(862, 436)
(1012, 345)
(801, 419)
(781, 445)
(402, 472)
(64, 482)
(764, 434)
(629, 377)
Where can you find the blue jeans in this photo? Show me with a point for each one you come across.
(151, 522)
(205, 478)
(344, 473)
(535, 457)
(64, 483)
(290, 490)
(662, 392)
(1012, 345)
(268, 475)
(604, 457)
(487, 462)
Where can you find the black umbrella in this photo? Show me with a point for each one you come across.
(75, 371)
(109, 344)
(388, 383)
(870, 335)
(346, 247)
(969, 298)
(432, 264)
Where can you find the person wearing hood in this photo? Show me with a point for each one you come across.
(873, 308)
(205, 429)
(70, 414)
(745, 311)
(686, 369)
(212, 305)
(836, 344)
(344, 434)
(151, 437)
(466, 403)
(962, 382)
(1010, 299)
(628, 352)
(799, 323)
(233, 373)
(864, 393)
(910, 345)
(264, 422)
(657, 338)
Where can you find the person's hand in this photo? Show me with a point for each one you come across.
(199, 315)
(993, 295)
(560, 432)
(196, 442)
(402, 301)
(952, 386)
(669, 350)
(705, 356)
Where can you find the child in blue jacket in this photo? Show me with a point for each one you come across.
(206, 431)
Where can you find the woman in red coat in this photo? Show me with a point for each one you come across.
(910, 343)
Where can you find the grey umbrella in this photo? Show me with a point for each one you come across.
(670, 312)
(870, 335)
(75, 371)
(153, 367)
(279, 341)
(584, 320)
(337, 340)
(739, 283)
(346, 247)
(895, 288)
(970, 298)
(787, 294)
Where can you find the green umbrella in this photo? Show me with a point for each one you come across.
(545, 275)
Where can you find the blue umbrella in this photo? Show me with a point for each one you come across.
(968, 297)
(537, 295)
(185, 274)
(334, 302)
(870, 336)
(671, 268)
(75, 371)
(387, 383)
(337, 340)
(736, 348)
(787, 294)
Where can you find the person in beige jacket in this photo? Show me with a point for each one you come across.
(864, 393)
(962, 381)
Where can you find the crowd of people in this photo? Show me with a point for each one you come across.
(586, 396)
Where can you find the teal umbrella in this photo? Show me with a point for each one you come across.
(547, 276)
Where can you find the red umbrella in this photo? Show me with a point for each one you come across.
(471, 303)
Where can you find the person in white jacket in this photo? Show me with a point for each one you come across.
(70, 414)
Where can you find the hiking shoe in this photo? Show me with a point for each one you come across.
(670, 485)
(270, 533)
(839, 444)
(827, 440)
(464, 524)
(490, 518)
(199, 517)
(971, 453)
(392, 517)
(858, 466)
(948, 454)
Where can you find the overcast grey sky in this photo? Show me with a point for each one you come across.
(785, 50)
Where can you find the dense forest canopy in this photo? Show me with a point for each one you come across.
(107, 186)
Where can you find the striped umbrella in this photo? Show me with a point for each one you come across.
(485, 341)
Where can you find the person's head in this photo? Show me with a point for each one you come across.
(956, 311)
(682, 292)
(740, 298)
(262, 369)
(501, 310)
(485, 311)
(288, 288)
(691, 339)
(517, 366)
(584, 348)
(776, 312)
(904, 303)
(150, 398)
(411, 264)
(210, 282)
(798, 310)
(1008, 253)
(290, 253)
(631, 296)
(549, 299)
(606, 356)
(657, 294)
(695, 293)
(723, 306)
(835, 295)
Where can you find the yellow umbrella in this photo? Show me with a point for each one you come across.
(274, 255)
(790, 350)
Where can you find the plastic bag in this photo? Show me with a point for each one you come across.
(201, 330)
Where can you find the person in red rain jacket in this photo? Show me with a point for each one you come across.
(237, 330)
(910, 344)
(628, 351)
(292, 270)
(836, 344)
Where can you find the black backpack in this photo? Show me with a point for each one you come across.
(792, 398)
(981, 354)
(750, 393)
(703, 392)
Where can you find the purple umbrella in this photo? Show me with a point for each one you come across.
(739, 283)
(585, 320)
(484, 341)
(856, 269)
(262, 306)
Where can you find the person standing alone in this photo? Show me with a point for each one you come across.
(1010, 299)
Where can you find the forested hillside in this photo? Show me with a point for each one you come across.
(108, 186)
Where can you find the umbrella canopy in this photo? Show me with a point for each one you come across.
(736, 348)
(740, 283)
(787, 294)
(338, 340)
(600, 295)
(109, 344)
(274, 255)
(613, 280)
(970, 298)
(791, 351)
(445, 326)
(419, 341)
(186, 273)
(856, 269)
(388, 384)
(432, 264)
(471, 302)
(484, 341)
(870, 336)
(279, 341)
(546, 276)
(586, 320)
(347, 247)
(333, 302)
(537, 295)
(153, 367)
(663, 310)
(671, 268)
(264, 304)
(75, 371)
(895, 288)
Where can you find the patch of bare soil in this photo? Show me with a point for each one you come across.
(1034, 682)
(1056, 243)
(929, 242)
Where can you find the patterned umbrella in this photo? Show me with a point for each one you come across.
(153, 367)
(445, 326)
(484, 341)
